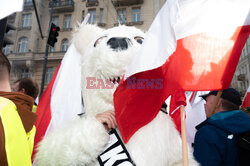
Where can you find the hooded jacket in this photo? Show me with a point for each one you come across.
(24, 104)
(215, 142)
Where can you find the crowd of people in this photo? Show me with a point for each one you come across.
(215, 140)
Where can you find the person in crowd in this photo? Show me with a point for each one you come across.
(28, 87)
(215, 140)
(17, 120)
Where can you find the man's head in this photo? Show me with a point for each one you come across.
(26, 86)
(4, 73)
(230, 99)
(4, 66)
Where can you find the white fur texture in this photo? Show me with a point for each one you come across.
(80, 142)
(77, 143)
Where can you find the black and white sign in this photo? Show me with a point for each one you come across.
(115, 153)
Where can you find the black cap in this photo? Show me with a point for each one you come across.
(229, 94)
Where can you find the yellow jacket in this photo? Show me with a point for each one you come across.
(18, 140)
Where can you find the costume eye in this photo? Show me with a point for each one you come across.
(98, 40)
(139, 39)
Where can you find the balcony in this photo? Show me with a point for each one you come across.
(62, 6)
(28, 5)
(22, 59)
(241, 77)
(91, 3)
(56, 55)
(132, 23)
(118, 3)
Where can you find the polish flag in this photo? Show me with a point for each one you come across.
(193, 45)
(61, 101)
(246, 101)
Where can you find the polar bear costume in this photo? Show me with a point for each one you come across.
(80, 141)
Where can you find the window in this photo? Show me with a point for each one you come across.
(65, 44)
(7, 49)
(83, 15)
(52, 49)
(25, 73)
(23, 45)
(55, 20)
(26, 20)
(10, 32)
(28, 3)
(136, 14)
(57, 2)
(69, 2)
(121, 16)
(92, 16)
(67, 21)
(101, 16)
(49, 75)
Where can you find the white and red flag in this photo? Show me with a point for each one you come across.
(246, 100)
(61, 101)
(193, 45)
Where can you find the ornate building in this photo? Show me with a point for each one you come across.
(27, 53)
(241, 79)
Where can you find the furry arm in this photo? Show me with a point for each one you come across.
(77, 143)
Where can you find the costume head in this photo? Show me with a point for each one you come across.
(106, 55)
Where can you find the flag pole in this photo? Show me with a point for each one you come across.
(216, 102)
(184, 137)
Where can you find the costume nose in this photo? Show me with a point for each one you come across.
(118, 43)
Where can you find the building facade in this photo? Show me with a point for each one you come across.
(27, 53)
(241, 79)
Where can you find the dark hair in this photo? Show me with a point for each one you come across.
(31, 87)
(229, 106)
(4, 63)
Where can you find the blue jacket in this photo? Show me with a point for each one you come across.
(214, 143)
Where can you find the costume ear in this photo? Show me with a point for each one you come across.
(83, 35)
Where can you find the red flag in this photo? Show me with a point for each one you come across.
(246, 101)
(177, 99)
(191, 45)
